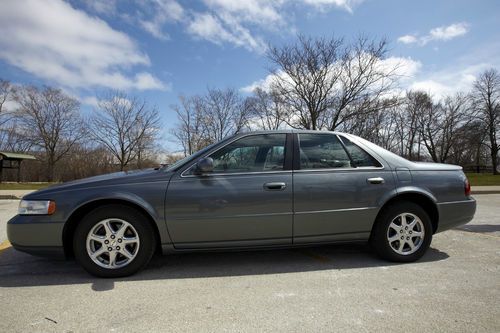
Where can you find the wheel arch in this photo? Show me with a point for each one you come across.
(84, 209)
(425, 200)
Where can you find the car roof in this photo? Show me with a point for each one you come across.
(286, 131)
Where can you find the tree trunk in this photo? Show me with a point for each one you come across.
(50, 170)
(494, 155)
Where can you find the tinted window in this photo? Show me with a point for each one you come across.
(360, 157)
(322, 151)
(254, 153)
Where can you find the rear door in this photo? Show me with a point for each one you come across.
(337, 185)
(246, 201)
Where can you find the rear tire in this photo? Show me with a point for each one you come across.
(114, 241)
(402, 232)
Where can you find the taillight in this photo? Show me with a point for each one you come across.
(467, 187)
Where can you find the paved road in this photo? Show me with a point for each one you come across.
(454, 288)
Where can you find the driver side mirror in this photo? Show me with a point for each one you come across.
(205, 165)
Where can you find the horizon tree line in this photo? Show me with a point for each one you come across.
(120, 132)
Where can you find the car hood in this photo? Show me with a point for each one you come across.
(122, 177)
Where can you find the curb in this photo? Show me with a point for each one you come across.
(9, 197)
(485, 192)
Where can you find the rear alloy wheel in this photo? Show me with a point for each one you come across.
(402, 232)
(114, 241)
(406, 234)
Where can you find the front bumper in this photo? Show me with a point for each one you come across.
(453, 214)
(36, 235)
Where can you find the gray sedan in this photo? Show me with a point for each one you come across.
(252, 190)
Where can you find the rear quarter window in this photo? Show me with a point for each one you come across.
(360, 157)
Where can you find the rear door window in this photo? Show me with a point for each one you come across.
(322, 151)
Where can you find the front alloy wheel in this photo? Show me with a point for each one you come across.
(114, 241)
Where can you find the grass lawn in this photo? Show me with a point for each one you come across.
(483, 179)
(23, 186)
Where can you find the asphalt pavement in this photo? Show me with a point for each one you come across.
(455, 287)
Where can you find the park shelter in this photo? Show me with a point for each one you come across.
(13, 161)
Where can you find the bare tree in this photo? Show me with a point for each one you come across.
(440, 125)
(49, 119)
(206, 119)
(226, 113)
(190, 130)
(6, 95)
(486, 94)
(268, 109)
(11, 139)
(468, 149)
(124, 126)
(326, 82)
(375, 125)
(364, 83)
(305, 77)
(416, 103)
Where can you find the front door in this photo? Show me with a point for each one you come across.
(245, 201)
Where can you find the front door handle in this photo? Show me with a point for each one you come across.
(376, 180)
(275, 186)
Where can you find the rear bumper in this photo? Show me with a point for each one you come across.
(453, 214)
(36, 235)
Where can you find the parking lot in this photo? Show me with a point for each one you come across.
(454, 288)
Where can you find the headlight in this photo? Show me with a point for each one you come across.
(37, 207)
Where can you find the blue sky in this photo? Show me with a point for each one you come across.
(159, 49)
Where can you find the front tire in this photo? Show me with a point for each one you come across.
(114, 241)
(402, 232)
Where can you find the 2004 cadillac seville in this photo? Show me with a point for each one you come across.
(252, 190)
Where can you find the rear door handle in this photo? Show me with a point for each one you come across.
(275, 186)
(376, 180)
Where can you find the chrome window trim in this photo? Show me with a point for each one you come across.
(236, 173)
(341, 169)
(182, 175)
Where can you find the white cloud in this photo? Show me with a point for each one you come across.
(347, 5)
(443, 33)
(146, 81)
(449, 32)
(90, 100)
(53, 41)
(404, 67)
(407, 39)
(448, 81)
(264, 84)
(239, 22)
(105, 7)
(260, 12)
(163, 11)
(209, 27)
